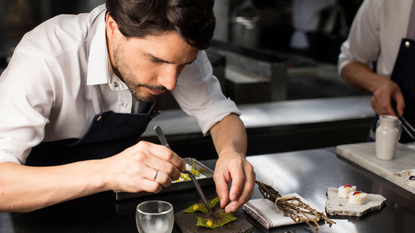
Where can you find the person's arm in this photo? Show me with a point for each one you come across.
(24, 188)
(229, 137)
(358, 53)
(383, 89)
(199, 94)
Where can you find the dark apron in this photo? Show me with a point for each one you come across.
(404, 75)
(108, 134)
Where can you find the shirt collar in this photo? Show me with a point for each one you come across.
(98, 57)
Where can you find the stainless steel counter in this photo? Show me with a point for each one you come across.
(274, 114)
(307, 173)
(276, 126)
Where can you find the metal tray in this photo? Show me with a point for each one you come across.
(175, 186)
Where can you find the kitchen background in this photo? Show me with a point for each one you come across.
(258, 67)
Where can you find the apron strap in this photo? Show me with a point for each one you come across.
(410, 33)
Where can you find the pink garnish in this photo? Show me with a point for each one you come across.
(357, 193)
(347, 186)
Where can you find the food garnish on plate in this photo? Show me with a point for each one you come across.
(357, 198)
(344, 190)
(192, 169)
(221, 219)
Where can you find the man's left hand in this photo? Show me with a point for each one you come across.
(234, 167)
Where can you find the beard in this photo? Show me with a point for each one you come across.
(138, 90)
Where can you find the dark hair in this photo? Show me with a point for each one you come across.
(193, 20)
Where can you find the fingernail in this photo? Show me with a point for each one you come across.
(233, 197)
(233, 208)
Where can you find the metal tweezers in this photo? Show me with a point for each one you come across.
(163, 141)
(404, 122)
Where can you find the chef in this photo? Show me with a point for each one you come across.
(80, 90)
(378, 58)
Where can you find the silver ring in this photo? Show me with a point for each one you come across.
(155, 174)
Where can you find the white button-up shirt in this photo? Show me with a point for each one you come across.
(46, 90)
(376, 34)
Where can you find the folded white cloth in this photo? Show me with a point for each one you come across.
(268, 214)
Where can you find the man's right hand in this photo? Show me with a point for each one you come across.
(383, 96)
(133, 169)
(26, 188)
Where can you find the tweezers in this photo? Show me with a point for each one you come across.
(164, 142)
(404, 122)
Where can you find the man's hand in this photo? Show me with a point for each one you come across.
(235, 168)
(382, 97)
(133, 169)
(383, 89)
(229, 137)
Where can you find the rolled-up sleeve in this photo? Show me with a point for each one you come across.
(363, 44)
(199, 94)
(27, 95)
(8, 157)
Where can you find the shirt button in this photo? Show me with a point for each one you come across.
(407, 44)
(125, 105)
(115, 84)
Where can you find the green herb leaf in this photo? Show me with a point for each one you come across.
(201, 207)
(214, 202)
(222, 219)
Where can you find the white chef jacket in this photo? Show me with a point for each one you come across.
(46, 90)
(376, 34)
(306, 18)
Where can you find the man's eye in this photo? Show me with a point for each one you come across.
(154, 61)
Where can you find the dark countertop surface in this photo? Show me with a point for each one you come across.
(307, 173)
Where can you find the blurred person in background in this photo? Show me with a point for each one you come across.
(378, 58)
(306, 16)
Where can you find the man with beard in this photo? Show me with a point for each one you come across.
(80, 90)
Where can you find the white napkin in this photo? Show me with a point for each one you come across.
(268, 214)
(408, 176)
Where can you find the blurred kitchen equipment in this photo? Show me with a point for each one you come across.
(20, 16)
(244, 25)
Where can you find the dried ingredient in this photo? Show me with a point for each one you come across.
(293, 207)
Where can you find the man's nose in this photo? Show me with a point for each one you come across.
(168, 78)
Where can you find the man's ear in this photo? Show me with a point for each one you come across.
(112, 27)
